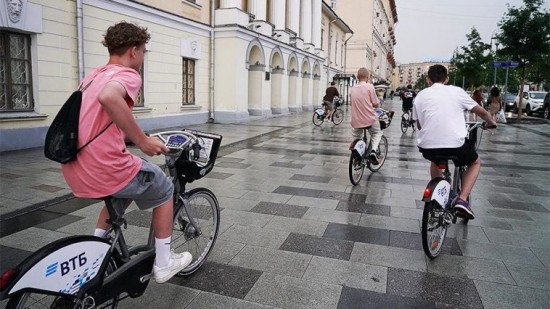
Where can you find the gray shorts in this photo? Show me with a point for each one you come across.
(150, 188)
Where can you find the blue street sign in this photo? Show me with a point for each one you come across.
(505, 64)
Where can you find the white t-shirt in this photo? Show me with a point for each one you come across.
(440, 111)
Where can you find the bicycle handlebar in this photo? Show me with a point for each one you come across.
(177, 146)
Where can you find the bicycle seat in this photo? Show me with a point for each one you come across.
(115, 206)
(443, 159)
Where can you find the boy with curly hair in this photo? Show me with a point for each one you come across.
(105, 167)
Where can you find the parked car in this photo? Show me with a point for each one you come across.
(509, 101)
(532, 102)
(546, 106)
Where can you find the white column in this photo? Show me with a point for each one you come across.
(293, 15)
(305, 21)
(258, 8)
(316, 23)
(225, 4)
(278, 14)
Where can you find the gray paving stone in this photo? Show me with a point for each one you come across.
(320, 246)
(31, 239)
(160, 296)
(278, 209)
(445, 291)
(312, 202)
(496, 296)
(505, 253)
(221, 279)
(390, 223)
(357, 233)
(300, 226)
(288, 292)
(230, 217)
(388, 256)
(327, 215)
(272, 261)
(530, 276)
(538, 240)
(357, 275)
(543, 255)
(224, 251)
(352, 298)
(236, 203)
(468, 267)
(254, 236)
(215, 301)
(266, 197)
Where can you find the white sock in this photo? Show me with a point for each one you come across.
(99, 232)
(162, 248)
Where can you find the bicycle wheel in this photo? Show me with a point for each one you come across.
(356, 168)
(204, 211)
(404, 125)
(337, 116)
(36, 300)
(318, 119)
(434, 229)
(381, 153)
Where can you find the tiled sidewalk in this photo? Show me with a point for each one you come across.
(296, 234)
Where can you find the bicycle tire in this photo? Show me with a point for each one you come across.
(356, 168)
(337, 116)
(206, 211)
(317, 119)
(404, 125)
(381, 153)
(432, 246)
(32, 300)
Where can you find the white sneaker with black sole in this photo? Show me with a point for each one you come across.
(178, 261)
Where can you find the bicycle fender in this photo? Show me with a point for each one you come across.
(61, 267)
(438, 189)
(358, 145)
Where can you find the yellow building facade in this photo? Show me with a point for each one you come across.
(207, 60)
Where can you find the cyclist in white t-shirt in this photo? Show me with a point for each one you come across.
(439, 114)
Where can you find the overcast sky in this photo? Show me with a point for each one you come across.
(433, 29)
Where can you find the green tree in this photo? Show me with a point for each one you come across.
(525, 37)
(471, 62)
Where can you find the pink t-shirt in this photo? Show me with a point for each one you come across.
(105, 166)
(363, 96)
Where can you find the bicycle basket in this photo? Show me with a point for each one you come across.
(188, 168)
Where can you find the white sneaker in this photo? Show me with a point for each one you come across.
(178, 261)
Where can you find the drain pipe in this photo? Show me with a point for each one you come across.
(80, 38)
(329, 47)
(346, 53)
(212, 55)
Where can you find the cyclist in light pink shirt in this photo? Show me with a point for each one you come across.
(363, 103)
(105, 167)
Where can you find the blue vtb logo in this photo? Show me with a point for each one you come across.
(65, 267)
(442, 191)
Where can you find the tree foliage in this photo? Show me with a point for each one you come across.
(471, 63)
(525, 37)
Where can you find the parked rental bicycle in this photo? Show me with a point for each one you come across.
(439, 197)
(320, 114)
(407, 121)
(361, 147)
(85, 271)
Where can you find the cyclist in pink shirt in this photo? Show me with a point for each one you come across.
(105, 167)
(363, 103)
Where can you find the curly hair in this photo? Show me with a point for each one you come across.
(118, 38)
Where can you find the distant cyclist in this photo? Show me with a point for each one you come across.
(328, 99)
(407, 96)
(363, 116)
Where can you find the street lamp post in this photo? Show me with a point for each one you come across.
(496, 51)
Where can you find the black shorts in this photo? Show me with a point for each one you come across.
(466, 154)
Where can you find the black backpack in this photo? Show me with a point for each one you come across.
(61, 143)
